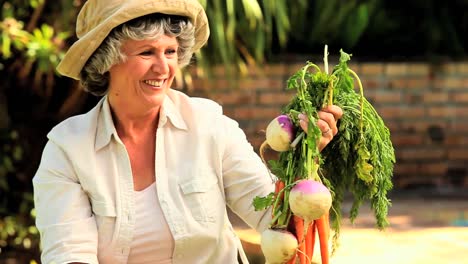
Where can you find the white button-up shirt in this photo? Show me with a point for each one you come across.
(83, 188)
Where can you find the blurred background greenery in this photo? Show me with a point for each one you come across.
(34, 34)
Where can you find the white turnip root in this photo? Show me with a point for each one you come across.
(309, 200)
(278, 245)
(279, 133)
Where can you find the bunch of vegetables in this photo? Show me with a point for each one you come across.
(311, 185)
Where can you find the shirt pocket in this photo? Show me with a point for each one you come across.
(106, 216)
(201, 197)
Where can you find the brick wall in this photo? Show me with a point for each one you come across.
(424, 105)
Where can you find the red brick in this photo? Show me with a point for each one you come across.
(369, 83)
(461, 111)
(407, 139)
(435, 97)
(458, 154)
(421, 169)
(459, 97)
(408, 83)
(396, 69)
(418, 83)
(230, 112)
(450, 83)
(419, 69)
(442, 111)
(420, 126)
(355, 66)
(462, 68)
(372, 69)
(222, 84)
(405, 181)
(262, 84)
(448, 68)
(393, 125)
(235, 98)
(200, 84)
(243, 113)
(414, 154)
(261, 112)
(384, 97)
(456, 140)
(392, 112)
(275, 98)
(256, 142)
(275, 70)
(397, 83)
(460, 127)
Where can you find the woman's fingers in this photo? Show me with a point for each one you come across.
(327, 123)
(336, 111)
(327, 129)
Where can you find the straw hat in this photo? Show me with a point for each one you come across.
(98, 17)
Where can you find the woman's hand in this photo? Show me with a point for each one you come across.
(328, 117)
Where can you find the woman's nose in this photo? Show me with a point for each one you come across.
(160, 65)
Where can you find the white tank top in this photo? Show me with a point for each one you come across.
(152, 239)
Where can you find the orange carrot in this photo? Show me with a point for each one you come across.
(310, 240)
(299, 224)
(323, 229)
(293, 260)
(279, 185)
(292, 228)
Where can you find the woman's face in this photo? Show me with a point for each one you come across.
(140, 83)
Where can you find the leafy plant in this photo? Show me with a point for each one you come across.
(17, 229)
(359, 160)
(242, 32)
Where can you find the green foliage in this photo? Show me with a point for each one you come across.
(30, 48)
(17, 229)
(13, 37)
(242, 31)
(261, 203)
(41, 47)
(332, 22)
(11, 153)
(416, 29)
(360, 158)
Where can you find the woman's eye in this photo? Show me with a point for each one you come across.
(171, 51)
(146, 53)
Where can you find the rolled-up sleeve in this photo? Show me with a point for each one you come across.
(63, 211)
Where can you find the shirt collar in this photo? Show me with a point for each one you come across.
(169, 110)
(106, 128)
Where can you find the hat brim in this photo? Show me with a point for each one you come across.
(79, 53)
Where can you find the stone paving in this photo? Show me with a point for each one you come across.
(422, 232)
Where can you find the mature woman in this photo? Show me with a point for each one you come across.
(146, 175)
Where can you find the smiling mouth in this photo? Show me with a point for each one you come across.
(154, 83)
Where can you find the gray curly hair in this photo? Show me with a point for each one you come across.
(94, 77)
